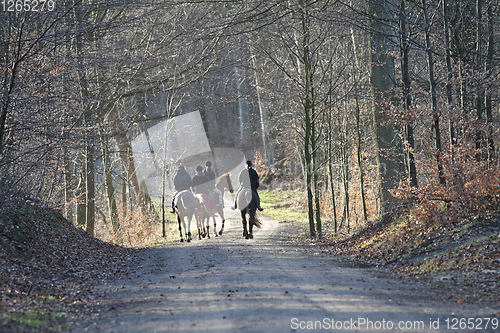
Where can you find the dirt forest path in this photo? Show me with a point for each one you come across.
(268, 284)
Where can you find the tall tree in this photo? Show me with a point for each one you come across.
(387, 145)
(432, 85)
(405, 73)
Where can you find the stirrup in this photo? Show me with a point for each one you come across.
(260, 209)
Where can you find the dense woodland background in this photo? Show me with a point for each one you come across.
(365, 106)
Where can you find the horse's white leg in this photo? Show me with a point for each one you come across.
(188, 230)
(215, 225)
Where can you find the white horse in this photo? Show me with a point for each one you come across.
(185, 206)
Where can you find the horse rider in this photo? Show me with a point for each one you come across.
(182, 181)
(211, 182)
(248, 178)
(200, 182)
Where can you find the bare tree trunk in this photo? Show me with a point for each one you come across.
(308, 116)
(358, 127)
(449, 74)
(345, 172)
(264, 118)
(90, 184)
(317, 192)
(81, 207)
(382, 82)
(68, 192)
(479, 93)
(108, 185)
(243, 108)
(360, 162)
(332, 189)
(432, 83)
(68, 176)
(330, 152)
(88, 123)
(10, 76)
(488, 70)
(410, 158)
(125, 152)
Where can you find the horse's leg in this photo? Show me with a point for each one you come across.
(198, 225)
(180, 228)
(221, 214)
(187, 227)
(188, 230)
(251, 221)
(215, 225)
(244, 221)
(204, 226)
(208, 225)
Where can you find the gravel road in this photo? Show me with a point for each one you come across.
(268, 284)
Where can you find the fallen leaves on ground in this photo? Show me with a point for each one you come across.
(460, 259)
(48, 268)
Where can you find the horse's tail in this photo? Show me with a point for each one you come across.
(256, 221)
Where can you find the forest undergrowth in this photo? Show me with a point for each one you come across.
(48, 268)
(457, 256)
(460, 259)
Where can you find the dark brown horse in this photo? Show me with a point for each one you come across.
(247, 203)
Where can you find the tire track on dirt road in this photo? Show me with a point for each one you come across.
(268, 284)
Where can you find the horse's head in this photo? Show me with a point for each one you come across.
(225, 183)
(229, 183)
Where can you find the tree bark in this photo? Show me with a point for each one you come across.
(90, 182)
(68, 191)
(432, 84)
(243, 108)
(88, 123)
(488, 70)
(125, 152)
(358, 127)
(308, 115)
(360, 162)
(81, 207)
(449, 74)
(479, 93)
(405, 69)
(264, 119)
(109, 186)
(9, 79)
(344, 152)
(382, 83)
(317, 192)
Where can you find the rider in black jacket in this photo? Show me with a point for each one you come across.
(182, 181)
(248, 178)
